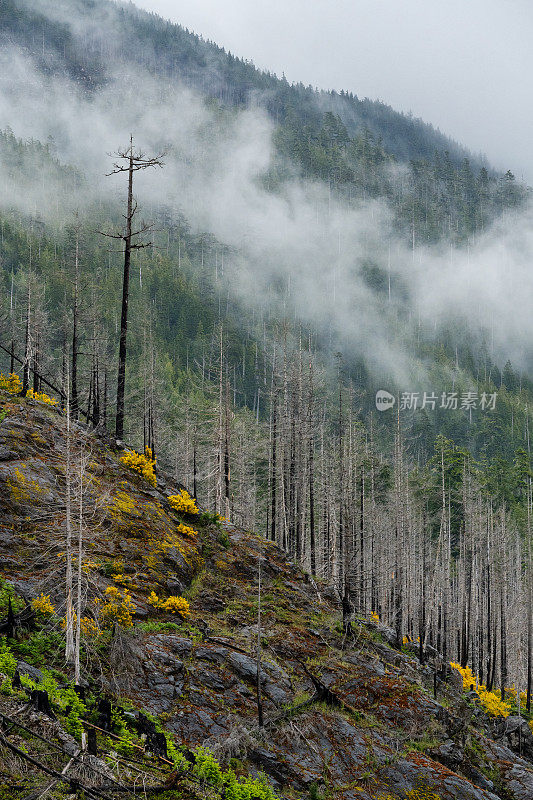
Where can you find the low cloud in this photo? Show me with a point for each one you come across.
(298, 248)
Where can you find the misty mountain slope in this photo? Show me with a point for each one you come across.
(83, 36)
(99, 50)
(193, 281)
(345, 716)
(294, 265)
(184, 282)
(290, 234)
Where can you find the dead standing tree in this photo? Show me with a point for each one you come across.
(134, 162)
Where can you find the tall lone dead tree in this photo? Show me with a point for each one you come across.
(129, 161)
(69, 618)
(75, 324)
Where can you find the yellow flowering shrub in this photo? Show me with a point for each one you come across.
(153, 599)
(122, 504)
(23, 489)
(143, 464)
(412, 794)
(374, 616)
(511, 694)
(125, 580)
(186, 530)
(42, 604)
(490, 701)
(42, 397)
(176, 605)
(90, 566)
(183, 502)
(10, 383)
(88, 626)
(173, 604)
(118, 608)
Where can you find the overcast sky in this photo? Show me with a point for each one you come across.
(464, 65)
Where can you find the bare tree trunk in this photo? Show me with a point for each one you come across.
(503, 639)
(77, 675)
(273, 468)
(134, 163)
(75, 343)
(220, 432)
(259, 694)
(529, 600)
(27, 343)
(227, 445)
(121, 379)
(69, 621)
(36, 362)
(312, 537)
(340, 542)
(12, 323)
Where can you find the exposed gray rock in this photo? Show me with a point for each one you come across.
(455, 679)
(449, 754)
(174, 586)
(6, 454)
(269, 763)
(519, 782)
(178, 645)
(389, 635)
(179, 566)
(517, 733)
(32, 672)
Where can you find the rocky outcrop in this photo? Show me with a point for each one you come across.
(352, 718)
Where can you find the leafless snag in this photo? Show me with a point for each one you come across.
(129, 161)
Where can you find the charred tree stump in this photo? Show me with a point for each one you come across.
(104, 711)
(41, 701)
(25, 618)
(92, 747)
(155, 740)
(10, 621)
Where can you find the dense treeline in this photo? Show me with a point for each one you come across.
(432, 198)
(244, 404)
(107, 34)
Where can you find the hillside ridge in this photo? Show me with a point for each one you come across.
(346, 714)
(86, 37)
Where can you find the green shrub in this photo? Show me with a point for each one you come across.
(64, 698)
(208, 518)
(153, 626)
(41, 647)
(224, 539)
(8, 593)
(208, 769)
(8, 662)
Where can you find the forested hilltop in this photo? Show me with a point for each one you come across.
(84, 38)
(288, 253)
